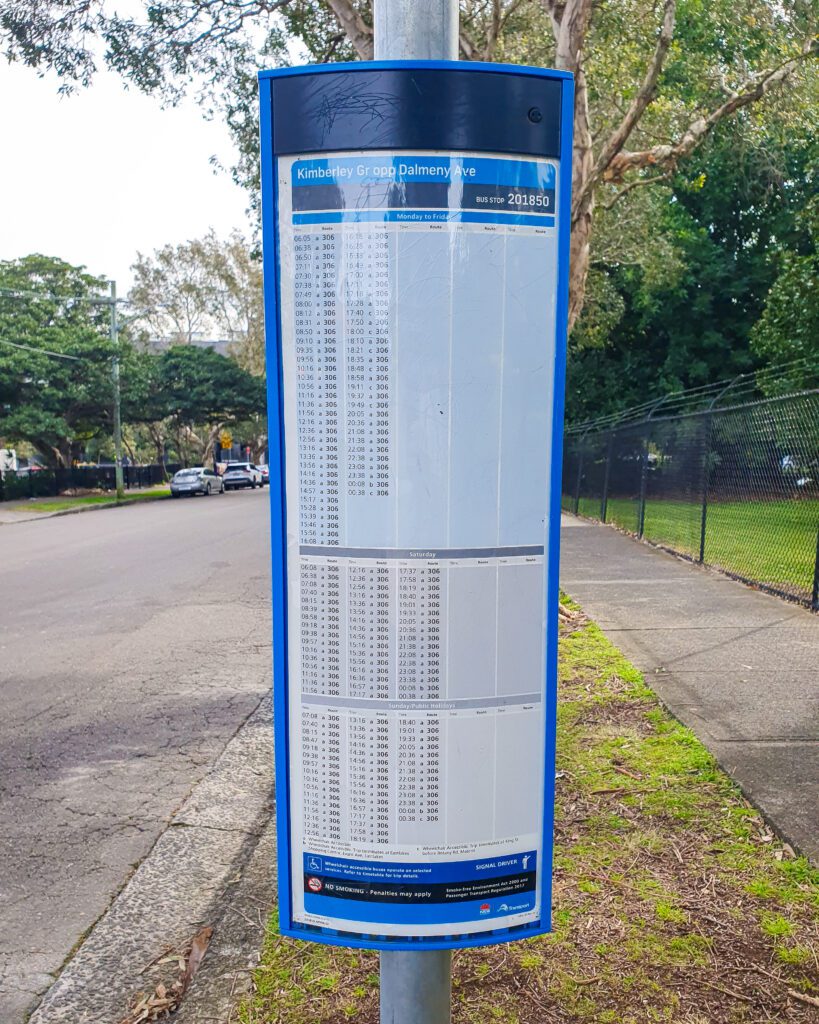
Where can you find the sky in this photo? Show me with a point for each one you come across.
(97, 176)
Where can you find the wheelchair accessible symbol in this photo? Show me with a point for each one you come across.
(314, 863)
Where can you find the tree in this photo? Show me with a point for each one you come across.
(55, 357)
(237, 303)
(199, 386)
(729, 221)
(204, 286)
(650, 86)
(788, 331)
(144, 403)
(172, 292)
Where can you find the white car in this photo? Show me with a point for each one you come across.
(242, 474)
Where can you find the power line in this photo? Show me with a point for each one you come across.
(42, 351)
(21, 293)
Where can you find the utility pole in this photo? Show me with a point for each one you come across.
(416, 986)
(114, 333)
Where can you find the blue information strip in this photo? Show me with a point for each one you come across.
(423, 188)
(440, 168)
(420, 893)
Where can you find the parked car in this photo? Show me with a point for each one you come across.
(196, 480)
(265, 471)
(242, 474)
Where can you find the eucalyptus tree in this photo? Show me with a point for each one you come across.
(654, 78)
(205, 286)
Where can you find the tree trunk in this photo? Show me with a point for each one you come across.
(259, 447)
(63, 453)
(583, 211)
(211, 443)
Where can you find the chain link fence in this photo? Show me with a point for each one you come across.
(735, 487)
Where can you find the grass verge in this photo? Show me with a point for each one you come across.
(673, 900)
(91, 501)
(773, 542)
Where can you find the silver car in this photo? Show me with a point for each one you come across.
(196, 480)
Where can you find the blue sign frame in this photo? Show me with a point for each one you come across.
(278, 497)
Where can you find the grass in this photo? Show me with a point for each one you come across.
(673, 901)
(772, 542)
(91, 500)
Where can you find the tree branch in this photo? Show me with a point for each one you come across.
(467, 45)
(355, 28)
(645, 94)
(637, 183)
(494, 30)
(510, 10)
(554, 9)
(668, 156)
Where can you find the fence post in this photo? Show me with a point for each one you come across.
(579, 471)
(644, 469)
(814, 603)
(577, 482)
(706, 474)
(641, 518)
(604, 501)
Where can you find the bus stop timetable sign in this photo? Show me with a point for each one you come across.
(415, 289)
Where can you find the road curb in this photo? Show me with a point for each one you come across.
(34, 516)
(214, 865)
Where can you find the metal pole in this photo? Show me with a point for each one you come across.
(604, 501)
(115, 381)
(416, 986)
(416, 29)
(814, 603)
(706, 472)
(706, 460)
(641, 514)
(579, 479)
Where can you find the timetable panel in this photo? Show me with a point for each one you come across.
(417, 331)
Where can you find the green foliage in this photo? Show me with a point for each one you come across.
(56, 404)
(788, 329)
(692, 308)
(56, 357)
(95, 500)
(199, 385)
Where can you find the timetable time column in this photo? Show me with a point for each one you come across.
(328, 380)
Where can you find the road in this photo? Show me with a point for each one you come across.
(133, 644)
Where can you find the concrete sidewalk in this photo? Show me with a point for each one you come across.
(740, 668)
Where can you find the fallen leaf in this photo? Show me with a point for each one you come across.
(199, 947)
(165, 1000)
